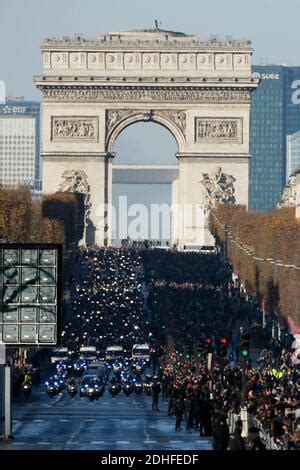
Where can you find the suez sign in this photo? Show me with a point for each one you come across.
(295, 98)
(266, 76)
(13, 109)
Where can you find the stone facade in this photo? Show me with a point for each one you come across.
(199, 90)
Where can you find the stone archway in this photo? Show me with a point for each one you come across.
(199, 90)
(172, 120)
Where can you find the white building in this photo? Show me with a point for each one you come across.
(19, 142)
(292, 153)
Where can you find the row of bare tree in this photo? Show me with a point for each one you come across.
(58, 218)
(264, 249)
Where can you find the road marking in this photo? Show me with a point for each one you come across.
(175, 442)
(72, 443)
(18, 443)
(43, 443)
(38, 420)
(89, 420)
(57, 399)
(123, 442)
(150, 442)
(64, 420)
(17, 426)
(97, 442)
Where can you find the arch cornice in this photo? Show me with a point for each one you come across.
(172, 119)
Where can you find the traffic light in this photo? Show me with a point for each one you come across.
(245, 345)
(208, 345)
(198, 351)
(223, 343)
(188, 352)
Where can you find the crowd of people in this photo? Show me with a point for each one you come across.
(188, 296)
(108, 300)
(174, 300)
(194, 300)
(213, 401)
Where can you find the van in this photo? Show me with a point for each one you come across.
(141, 352)
(88, 353)
(114, 353)
(59, 355)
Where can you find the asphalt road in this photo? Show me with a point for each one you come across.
(120, 423)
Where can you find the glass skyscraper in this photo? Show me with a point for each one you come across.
(19, 142)
(275, 115)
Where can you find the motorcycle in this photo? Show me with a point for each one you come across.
(138, 368)
(148, 388)
(80, 367)
(127, 389)
(52, 388)
(61, 381)
(26, 389)
(72, 390)
(114, 389)
(138, 388)
(93, 392)
(69, 366)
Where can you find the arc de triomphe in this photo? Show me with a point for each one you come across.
(199, 90)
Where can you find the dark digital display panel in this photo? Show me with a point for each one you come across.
(30, 294)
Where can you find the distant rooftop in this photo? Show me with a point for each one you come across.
(153, 30)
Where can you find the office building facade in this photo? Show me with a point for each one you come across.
(19, 142)
(274, 121)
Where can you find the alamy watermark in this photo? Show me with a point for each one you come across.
(152, 222)
(296, 93)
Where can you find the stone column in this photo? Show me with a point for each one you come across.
(175, 213)
(108, 198)
(191, 214)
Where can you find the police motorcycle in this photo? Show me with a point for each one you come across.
(138, 368)
(71, 387)
(94, 390)
(80, 366)
(52, 387)
(147, 385)
(114, 387)
(127, 385)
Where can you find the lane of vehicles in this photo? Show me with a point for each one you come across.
(89, 377)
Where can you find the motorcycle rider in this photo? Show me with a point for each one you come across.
(71, 382)
(27, 379)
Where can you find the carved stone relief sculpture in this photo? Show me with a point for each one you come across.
(177, 117)
(76, 181)
(217, 130)
(134, 94)
(216, 187)
(74, 128)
